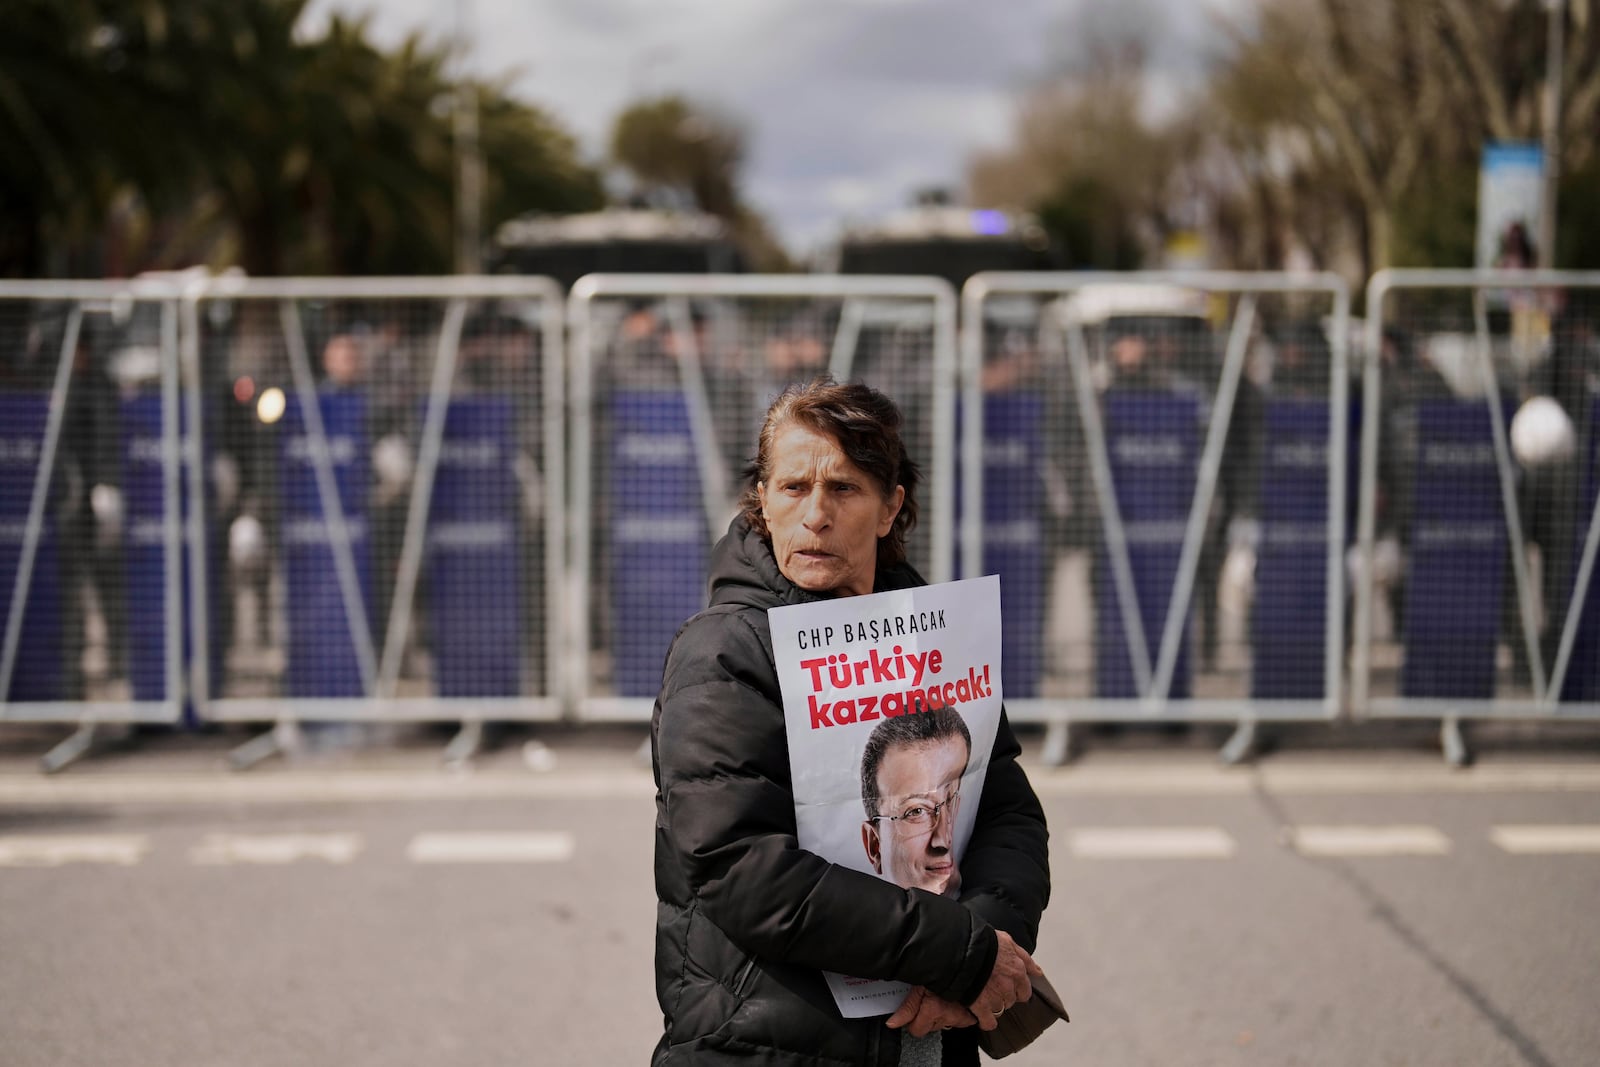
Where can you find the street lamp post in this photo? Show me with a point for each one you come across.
(1551, 121)
(469, 162)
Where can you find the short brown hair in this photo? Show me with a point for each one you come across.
(866, 424)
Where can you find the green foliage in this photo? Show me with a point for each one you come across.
(226, 138)
(1100, 174)
(675, 148)
(681, 154)
(1436, 220)
(1091, 221)
(1578, 208)
(1346, 130)
(67, 123)
(534, 163)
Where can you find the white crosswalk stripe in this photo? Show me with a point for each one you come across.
(1369, 841)
(1528, 840)
(225, 849)
(502, 847)
(1176, 778)
(477, 847)
(39, 850)
(1152, 842)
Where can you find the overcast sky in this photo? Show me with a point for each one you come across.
(849, 106)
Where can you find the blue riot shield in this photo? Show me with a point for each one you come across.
(1153, 441)
(38, 672)
(322, 659)
(1013, 531)
(475, 583)
(144, 549)
(145, 545)
(1458, 555)
(1582, 683)
(1289, 619)
(657, 533)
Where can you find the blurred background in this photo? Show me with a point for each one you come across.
(330, 137)
(374, 377)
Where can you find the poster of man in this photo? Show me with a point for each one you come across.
(891, 706)
(911, 776)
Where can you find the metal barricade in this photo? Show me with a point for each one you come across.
(1480, 505)
(394, 500)
(1157, 465)
(91, 539)
(671, 375)
(341, 500)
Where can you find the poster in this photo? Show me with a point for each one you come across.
(1510, 200)
(891, 703)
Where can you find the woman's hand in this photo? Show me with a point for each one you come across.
(1008, 983)
(923, 1012)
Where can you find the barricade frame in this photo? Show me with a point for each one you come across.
(1155, 705)
(1546, 704)
(937, 518)
(91, 714)
(380, 705)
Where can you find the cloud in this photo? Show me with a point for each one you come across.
(849, 105)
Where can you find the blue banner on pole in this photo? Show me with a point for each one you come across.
(474, 578)
(1153, 440)
(1288, 620)
(1013, 531)
(38, 672)
(322, 659)
(657, 531)
(1458, 555)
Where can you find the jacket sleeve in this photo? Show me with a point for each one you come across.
(1005, 872)
(722, 766)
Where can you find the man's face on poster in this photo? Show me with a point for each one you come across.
(912, 841)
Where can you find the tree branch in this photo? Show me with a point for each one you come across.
(1581, 103)
(1351, 149)
(1471, 49)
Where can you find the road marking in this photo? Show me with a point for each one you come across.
(1180, 842)
(1369, 841)
(327, 787)
(1380, 776)
(52, 851)
(1546, 839)
(626, 780)
(514, 847)
(224, 849)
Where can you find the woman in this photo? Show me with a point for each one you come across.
(747, 920)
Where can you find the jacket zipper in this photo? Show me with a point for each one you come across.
(743, 976)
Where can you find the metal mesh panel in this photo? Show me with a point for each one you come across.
(1155, 468)
(674, 380)
(1485, 474)
(90, 602)
(392, 524)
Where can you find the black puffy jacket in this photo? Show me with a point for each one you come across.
(746, 920)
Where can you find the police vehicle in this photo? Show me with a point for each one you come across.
(638, 240)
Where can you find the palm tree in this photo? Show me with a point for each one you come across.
(230, 140)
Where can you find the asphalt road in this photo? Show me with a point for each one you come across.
(1335, 908)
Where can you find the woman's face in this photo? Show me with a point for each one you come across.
(824, 513)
